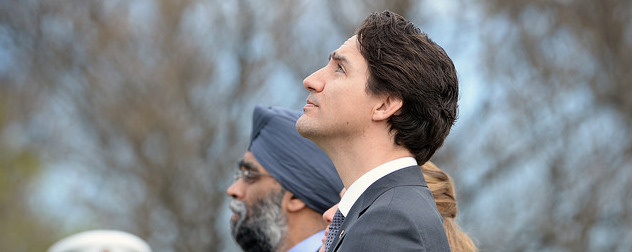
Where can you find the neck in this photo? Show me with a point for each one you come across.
(301, 225)
(356, 156)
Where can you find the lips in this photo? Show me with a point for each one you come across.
(310, 102)
(239, 210)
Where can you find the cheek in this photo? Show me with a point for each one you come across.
(252, 194)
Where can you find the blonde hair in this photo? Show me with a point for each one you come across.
(442, 187)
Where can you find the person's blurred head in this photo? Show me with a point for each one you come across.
(282, 177)
(444, 193)
(328, 216)
(101, 241)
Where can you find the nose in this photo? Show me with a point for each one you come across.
(329, 214)
(314, 82)
(236, 190)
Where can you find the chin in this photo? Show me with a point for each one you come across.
(303, 126)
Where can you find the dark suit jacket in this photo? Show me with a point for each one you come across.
(396, 213)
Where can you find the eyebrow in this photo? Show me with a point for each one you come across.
(247, 165)
(337, 57)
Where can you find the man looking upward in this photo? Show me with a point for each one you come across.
(383, 104)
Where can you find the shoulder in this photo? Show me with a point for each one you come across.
(400, 219)
(413, 205)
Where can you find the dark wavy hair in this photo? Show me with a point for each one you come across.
(405, 63)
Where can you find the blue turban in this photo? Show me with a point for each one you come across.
(294, 161)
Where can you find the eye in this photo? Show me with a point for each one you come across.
(340, 69)
(248, 176)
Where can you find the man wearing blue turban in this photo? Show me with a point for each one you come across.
(283, 186)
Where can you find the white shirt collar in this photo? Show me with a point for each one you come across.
(310, 244)
(361, 184)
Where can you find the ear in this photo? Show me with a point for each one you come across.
(388, 105)
(293, 203)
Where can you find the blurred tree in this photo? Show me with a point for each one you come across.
(347, 15)
(151, 100)
(150, 103)
(549, 150)
(19, 169)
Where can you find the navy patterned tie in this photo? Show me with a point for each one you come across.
(334, 228)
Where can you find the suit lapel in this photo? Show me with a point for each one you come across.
(338, 239)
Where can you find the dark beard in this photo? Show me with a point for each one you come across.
(264, 227)
(251, 240)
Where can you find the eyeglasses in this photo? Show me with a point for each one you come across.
(248, 176)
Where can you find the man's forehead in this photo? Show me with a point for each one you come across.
(348, 53)
(353, 39)
(249, 162)
(348, 46)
